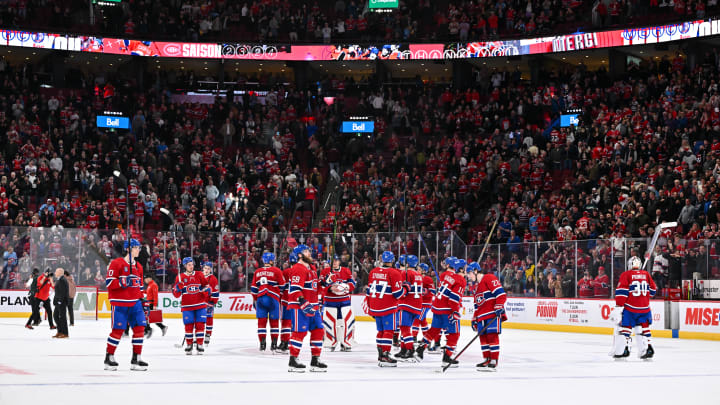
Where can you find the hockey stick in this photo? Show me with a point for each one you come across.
(656, 235)
(487, 241)
(429, 257)
(477, 335)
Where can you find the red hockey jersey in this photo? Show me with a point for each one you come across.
(488, 295)
(303, 282)
(214, 290)
(429, 291)
(383, 291)
(120, 273)
(634, 291)
(286, 288)
(193, 289)
(412, 301)
(328, 277)
(449, 294)
(268, 280)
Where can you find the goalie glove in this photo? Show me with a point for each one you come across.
(616, 315)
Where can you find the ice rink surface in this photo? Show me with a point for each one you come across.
(535, 367)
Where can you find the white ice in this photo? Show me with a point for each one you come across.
(535, 367)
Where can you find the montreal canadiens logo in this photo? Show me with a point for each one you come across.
(480, 300)
(171, 50)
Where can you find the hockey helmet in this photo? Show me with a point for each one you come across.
(387, 257)
(292, 258)
(473, 266)
(187, 260)
(412, 261)
(300, 248)
(133, 243)
(424, 267)
(402, 260)
(268, 257)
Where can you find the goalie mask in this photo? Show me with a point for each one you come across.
(634, 263)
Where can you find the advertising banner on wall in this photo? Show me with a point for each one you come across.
(700, 316)
(247, 51)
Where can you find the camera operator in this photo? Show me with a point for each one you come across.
(62, 295)
(44, 284)
(34, 303)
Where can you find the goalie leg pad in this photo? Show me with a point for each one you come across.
(330, 323)
(348, 326)
(622, 340)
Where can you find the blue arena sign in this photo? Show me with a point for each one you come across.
(104, 121)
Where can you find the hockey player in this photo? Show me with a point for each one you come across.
(427, 296)
(286, 323)
(410, 307)
(212, 299)
(338, 319)
(124, 283)
(267, 285)
(446, 312)
(384, 290)
(489, 301)
(304, 311)
(401, 266)
(632, 310)
(434, 348)
(193, 290)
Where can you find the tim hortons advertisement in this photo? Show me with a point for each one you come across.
(700, 316)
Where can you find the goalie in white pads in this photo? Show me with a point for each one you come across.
(632, 310)
(338, 319)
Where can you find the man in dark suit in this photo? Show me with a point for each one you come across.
(62, 295)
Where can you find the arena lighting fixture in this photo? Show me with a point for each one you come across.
(329, 100)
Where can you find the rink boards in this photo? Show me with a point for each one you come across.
(697, 319)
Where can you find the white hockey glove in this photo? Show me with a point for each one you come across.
(616, 315)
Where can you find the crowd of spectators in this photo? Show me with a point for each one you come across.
(341, 20)
(443, 162)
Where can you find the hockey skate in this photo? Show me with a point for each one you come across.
(137, 363)
(419, 352)
(206, 343)
(110, 363)
(188, 349)
(274, 346)
(199, 349)
(384, 359)
(294, 366)
(148, 333)
(164, 330)
(405, 356)
(263, 346)
(621, 357)
(649, 353)
(316, 366)
(434, 349)
(344, 348)
(449, 361)
(282, 348)
(487, 365)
